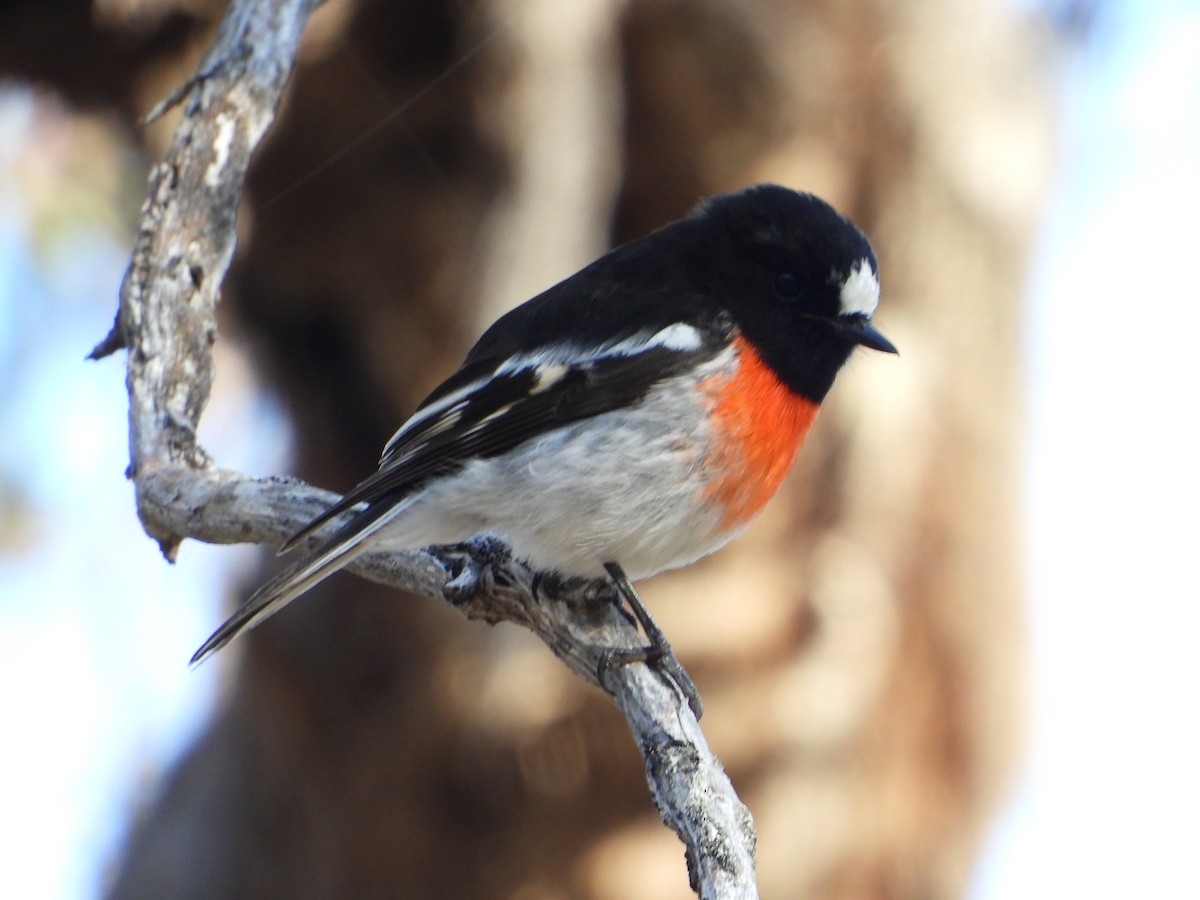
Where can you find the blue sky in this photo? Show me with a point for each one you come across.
(95, 629)
(1105, 804)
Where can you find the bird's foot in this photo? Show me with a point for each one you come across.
(470, 563)
(657, 654)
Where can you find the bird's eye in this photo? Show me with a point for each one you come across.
(787, 284)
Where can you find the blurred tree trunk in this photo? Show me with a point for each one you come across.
(860, 649)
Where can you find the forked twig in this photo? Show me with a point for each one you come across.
(167, 322)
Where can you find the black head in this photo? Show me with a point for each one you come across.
(797, 278)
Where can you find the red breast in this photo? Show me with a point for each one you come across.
(758, 425)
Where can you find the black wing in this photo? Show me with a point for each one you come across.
(507, 409)
(493, 403)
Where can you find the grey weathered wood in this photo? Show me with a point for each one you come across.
(167, 322)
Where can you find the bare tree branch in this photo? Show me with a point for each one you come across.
(167, 322)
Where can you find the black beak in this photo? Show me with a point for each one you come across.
(858, 329)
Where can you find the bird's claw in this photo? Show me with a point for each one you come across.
(469, 563)
(661, 658)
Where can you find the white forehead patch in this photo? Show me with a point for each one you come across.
(860, 291)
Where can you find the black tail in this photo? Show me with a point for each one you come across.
(337, 551)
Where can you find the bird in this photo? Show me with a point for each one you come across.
(629, 420)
